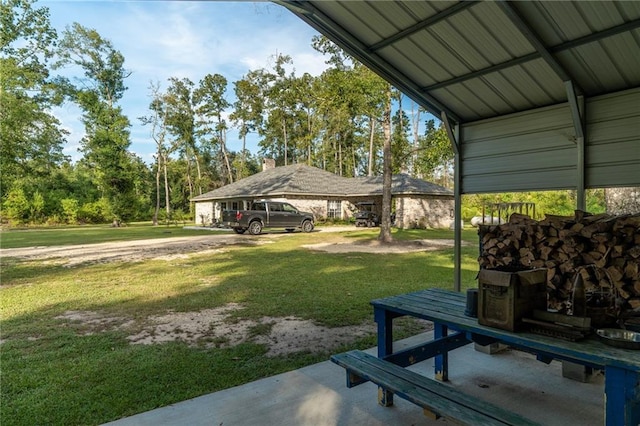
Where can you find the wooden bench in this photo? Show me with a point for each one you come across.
(437, 399)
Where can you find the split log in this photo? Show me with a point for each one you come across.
(604, 249)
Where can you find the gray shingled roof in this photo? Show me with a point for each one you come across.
(300, 179)
(401, 184)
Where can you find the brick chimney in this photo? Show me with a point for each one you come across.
(268, 163)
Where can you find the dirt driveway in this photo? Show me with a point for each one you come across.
(212, 327)
(176, 247)
(128, 251)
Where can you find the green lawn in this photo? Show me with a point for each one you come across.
(59, 372)
(89, 234)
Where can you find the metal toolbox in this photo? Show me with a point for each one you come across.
(505, 297)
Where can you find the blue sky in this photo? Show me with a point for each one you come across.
(162, 39)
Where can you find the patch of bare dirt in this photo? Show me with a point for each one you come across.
(214, 328)
(88, 322)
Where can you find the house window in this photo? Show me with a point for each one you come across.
(223, 206)
(334, 209)
(234, 206)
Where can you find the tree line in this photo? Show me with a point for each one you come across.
(346, 120)
(338, 121)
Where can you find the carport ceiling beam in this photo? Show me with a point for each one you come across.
(457, 216)
(432, 20)
(577, 106)
(590, 38)
(535, 41)
(576, 110)
(452, 137)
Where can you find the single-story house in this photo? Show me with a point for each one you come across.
(416, 203)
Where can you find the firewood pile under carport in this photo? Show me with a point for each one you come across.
(603, 249)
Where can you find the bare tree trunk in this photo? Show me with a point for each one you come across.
(324, 153)
(189, 182)
(385, 220)
(415, 126)
(244, 157)
(166, 186)
(404, 168)
(336, 157)
(340, 157)
(199, 175)
(284, 135)
(155, 213)
(353, 162)
(223, 148)
(372, 132)
(309, 129)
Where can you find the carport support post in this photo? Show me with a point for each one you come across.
(457, 194)
(577, 106)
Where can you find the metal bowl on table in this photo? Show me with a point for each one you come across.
(619, 338)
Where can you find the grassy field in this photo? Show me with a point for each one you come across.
(56, 371)
(89, 234)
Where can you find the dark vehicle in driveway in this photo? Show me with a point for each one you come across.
(267, 214)
(365, 216)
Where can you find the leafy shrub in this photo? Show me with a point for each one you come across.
(179, 216)
(94, 212)
(70, 209)
(37, 207)
(53, 220)
(16, 206)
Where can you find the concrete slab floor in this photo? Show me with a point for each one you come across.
(317, 395)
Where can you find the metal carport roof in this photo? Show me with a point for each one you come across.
(471, 61)
(478, 60)
(534, 94)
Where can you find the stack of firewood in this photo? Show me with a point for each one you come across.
(603, 249)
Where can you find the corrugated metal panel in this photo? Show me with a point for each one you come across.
(479, 36)
(521, 181)
(416, 56)
(455, 102)
(593, 78)
(613, 140)
(458, 44)
(505, 34)
(525, 82)
(367, 25)
(506, 154)
(426, 49)
(466, 24)
(476, 102)
(512, 93)
(547, 82)
(628, 65)
(600, 66)
(421, 10)
(554, 22)
(395, 16)
(536, 150)
(608, 64)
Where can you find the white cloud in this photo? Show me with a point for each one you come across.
(186, 40)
